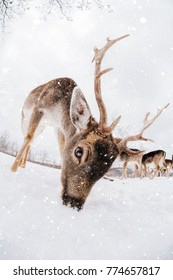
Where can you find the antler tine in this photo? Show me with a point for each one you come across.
(103, 50)
(103, 72)
(98, 57)
(148, 122)
(113, 125)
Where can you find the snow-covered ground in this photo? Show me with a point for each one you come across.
(124, 219)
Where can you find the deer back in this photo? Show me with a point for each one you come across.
(53, 99)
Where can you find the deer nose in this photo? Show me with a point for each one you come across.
(72, 202)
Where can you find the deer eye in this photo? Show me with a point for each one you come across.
(78, 152)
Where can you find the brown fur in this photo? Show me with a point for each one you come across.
(126, 157)
(157, 158)
(168, 166)
(99, 154)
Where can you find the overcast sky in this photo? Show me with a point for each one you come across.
(37, 50)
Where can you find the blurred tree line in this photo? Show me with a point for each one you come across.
(9, 147)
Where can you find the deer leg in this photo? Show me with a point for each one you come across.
(143, 170)
(124, 173)
(25, 125)
(136, 170)
(159, 171)
(27, 141)
(34, 122)
(156, 172)
(22, 162)
(140, 170)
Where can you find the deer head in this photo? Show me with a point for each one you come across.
(89, 154)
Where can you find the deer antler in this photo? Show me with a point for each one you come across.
(122, 143)
(98, 57)
(148, 122)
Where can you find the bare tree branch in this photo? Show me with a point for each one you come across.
(9, 9)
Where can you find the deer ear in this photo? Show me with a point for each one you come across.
(79, 110)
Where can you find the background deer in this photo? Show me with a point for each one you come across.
(156, 158)
(135, 158)
(87, 147)
(167, 166)
(127, 155)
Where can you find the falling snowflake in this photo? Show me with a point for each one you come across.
(143, 20)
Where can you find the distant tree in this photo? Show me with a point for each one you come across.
(9, 9)
(4, 141)
(6, 145)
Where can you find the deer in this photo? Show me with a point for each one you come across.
(167, 166)
(136, 156)
(87, 147)
(156, 158)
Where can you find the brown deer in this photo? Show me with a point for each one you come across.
(127, 158)
(156, 158)
(126, 154)
(87, 147)
(167, 166)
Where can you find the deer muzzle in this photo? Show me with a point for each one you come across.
(73, 202)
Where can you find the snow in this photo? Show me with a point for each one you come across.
(143, 20)
(123, 219)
